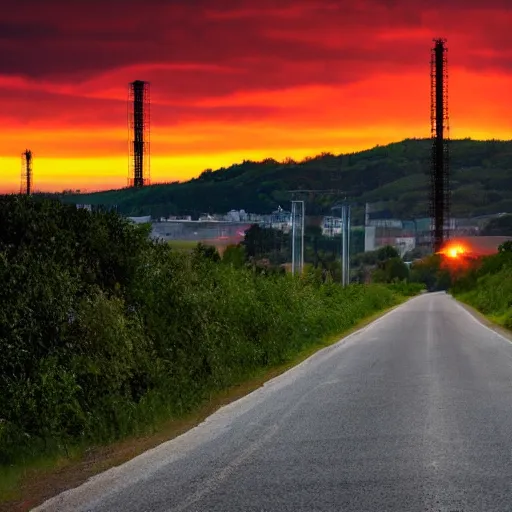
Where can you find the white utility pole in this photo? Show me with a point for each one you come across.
(298, 214)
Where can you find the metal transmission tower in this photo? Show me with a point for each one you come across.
(439, 175)
(298, 221)
(345, 242)
(298, 214)
(139, 122)
(26, 173)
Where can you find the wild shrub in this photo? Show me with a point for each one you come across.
(103, 333)
(488, 286)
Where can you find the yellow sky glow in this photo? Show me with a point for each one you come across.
(305, 121)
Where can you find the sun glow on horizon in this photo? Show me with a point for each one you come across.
(454, 250)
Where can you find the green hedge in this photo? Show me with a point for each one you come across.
(104, 334)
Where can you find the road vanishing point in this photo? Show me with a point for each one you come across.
(411, 413)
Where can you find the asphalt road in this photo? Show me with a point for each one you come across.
(412, 413)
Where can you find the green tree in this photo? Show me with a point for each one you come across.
(208, 252)
(254, 241)
(396, 270)
(312, 236)
(505, 248)
(431, 273)
(414, 254)
(387, 252)
(267, 243)
(391, 270)
(234, 255)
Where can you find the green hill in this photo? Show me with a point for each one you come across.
(395, 176)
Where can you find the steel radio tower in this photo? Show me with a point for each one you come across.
(440, 174)
(26, 173)
(139, 127)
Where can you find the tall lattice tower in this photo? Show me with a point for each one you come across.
(139, 128)
(26, 172)
(440, 172)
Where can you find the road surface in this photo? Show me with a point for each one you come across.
(412, 413)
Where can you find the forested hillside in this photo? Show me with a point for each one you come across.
(395, 175)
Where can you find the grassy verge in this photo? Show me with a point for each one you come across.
(491, 295)
(183, 245)
(25, 486)
(494, 322)
(190, 245)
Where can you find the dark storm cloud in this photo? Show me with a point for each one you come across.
(242, 45)
(58, 38)
(15, 31)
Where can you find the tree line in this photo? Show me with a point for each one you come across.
(394, 177)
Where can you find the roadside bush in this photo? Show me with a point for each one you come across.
(487, 286)
(430, 272)
(390, 271)
(407, 289)
(234, 255)
(104, 333)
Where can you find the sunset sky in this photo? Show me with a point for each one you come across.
(238, 79)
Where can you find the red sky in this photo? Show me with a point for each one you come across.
(237, 79)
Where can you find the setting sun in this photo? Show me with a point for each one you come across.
(453, 251)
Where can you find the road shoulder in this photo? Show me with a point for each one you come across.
(38, 486)
(498, 329)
